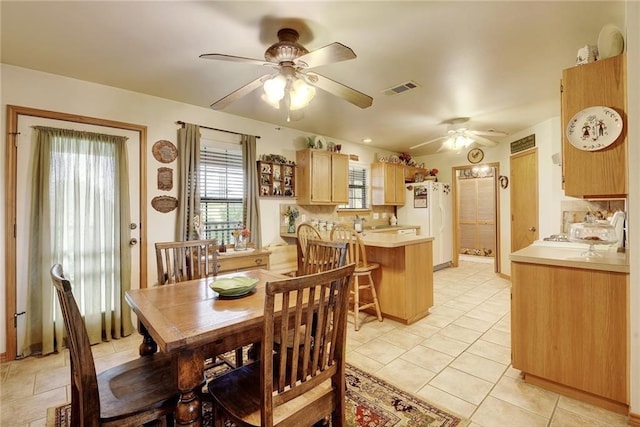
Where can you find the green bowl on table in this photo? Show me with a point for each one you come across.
(233, 286)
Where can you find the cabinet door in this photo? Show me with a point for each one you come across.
(387, 184)
(569, 326)
(321, 175)
(602, 172)
(339, 179)
(398, 185)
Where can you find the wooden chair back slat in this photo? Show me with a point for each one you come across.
(322, 255)
(187, 260)
(321, 298)
(304, 233)
(356, 252)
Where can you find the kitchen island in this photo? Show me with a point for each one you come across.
(404, 283)
(569, 323)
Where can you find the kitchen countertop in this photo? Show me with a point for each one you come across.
(570, 257)
(381, 240)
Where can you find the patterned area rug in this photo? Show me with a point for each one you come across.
(371, 402)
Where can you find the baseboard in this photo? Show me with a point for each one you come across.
(504, 276)
(584, 396)
(633, 420)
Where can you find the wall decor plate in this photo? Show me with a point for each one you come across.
(594, 128)
(164, 204)
(164, 151)
(165, 179)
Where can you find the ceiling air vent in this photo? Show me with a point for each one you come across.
(392, 91)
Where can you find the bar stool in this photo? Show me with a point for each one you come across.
(356, 253)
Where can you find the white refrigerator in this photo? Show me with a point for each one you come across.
(428, 204)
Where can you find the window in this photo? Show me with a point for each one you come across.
(221, 189)
(358, 187)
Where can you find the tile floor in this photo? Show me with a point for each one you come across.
(458, 358)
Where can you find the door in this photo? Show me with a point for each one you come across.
(524, 199)
(19, 186)
(473, 222)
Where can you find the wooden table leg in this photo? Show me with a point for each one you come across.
(190, 375)
(148, 346)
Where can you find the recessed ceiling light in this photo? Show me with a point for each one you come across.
(367, 140)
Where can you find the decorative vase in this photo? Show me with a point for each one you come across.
(240, 243)
(291, 227)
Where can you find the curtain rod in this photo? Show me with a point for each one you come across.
(180, 122)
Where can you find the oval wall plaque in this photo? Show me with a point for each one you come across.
(164, 204)
(164, 151)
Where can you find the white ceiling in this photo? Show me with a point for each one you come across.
(498, 63)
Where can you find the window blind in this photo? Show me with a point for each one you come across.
(221, 190)
(357, 188)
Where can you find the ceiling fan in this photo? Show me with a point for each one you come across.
(293, 76)
(459, 136)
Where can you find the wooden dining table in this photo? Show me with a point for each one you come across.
(191, 320)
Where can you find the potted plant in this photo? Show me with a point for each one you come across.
(241, 238)
(291, 215)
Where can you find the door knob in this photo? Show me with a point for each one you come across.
(532, 229)
(133, 242)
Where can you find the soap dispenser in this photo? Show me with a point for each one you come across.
(393, 221)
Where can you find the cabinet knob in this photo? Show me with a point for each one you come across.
(258, 261)
(532, 229)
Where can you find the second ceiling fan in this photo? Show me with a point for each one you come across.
(293, 83)
(459, 136)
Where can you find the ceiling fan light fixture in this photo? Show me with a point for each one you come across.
(274, 89)
(458, 141)
(301, 94)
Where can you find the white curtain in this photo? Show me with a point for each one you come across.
(80, 217)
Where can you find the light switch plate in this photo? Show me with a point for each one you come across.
(376, 215)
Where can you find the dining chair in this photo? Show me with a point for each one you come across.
(185, 260)
(130, 394)
(304, 233)
(357, 254)
(267, 394)
(321, 255)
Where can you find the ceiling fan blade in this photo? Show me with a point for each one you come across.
(338, 89)
(494, 133)
(428, 142)
(334, 52)
(482, 140)
(231, 58)
(239, 93)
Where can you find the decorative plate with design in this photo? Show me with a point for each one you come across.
(164, 151)
(594, 128)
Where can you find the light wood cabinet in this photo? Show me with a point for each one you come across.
(603, 172)
(569, 331)
(411, 171)
(239, 261)
(323, 177)
(404, 283)
(387, 184)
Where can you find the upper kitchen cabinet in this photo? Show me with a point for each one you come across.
(590, 172)
(323, 177)
(387, 184)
